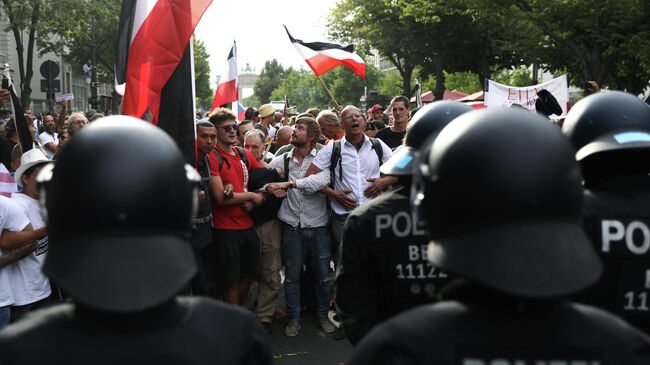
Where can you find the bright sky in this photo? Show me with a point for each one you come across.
(256, 25)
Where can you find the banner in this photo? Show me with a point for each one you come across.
(499, 95)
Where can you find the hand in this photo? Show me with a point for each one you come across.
(247, 207)
(280, 193)
(258, 199)
(228, 191)
(272, 187)
(5, 96)
(379, 185)
(342, 197)
(42, 232)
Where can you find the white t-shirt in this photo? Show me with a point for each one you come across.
(28, 282)
(12, 218)
(48, 138)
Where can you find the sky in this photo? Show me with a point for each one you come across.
(256, 25)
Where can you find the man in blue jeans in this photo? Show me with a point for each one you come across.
(304, 215)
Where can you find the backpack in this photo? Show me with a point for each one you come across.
(318, 147)
(240, 152)
(336, 157)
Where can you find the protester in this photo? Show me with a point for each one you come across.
(377, 112)
(244, 127)
(394, 135)
(282, 138)
(254, 142)
(266, 124)
(49, 138)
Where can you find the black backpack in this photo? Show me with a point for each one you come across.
(336, 157)
(240, 152)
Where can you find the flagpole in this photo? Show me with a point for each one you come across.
(329, 92)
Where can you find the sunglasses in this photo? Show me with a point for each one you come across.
(230, 128)
(351, 116)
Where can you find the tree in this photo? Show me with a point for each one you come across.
(270, 78)
(204, 94)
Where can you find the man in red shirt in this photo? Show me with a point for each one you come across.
(238, 245)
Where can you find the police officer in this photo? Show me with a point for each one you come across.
(384, 269)
(611, 133)
(502, 201)
(120, 204)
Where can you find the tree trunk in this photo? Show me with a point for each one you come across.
(407, 73)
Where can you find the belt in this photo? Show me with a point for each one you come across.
(202, 220)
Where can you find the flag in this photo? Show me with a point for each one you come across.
(153, 38)
(25, 137)
(241, 111)
(418, 93)
(7, 183)
(155, 59)
(227, 90)
(322, 57)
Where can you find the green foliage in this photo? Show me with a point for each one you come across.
(521, 76)
(252, 100)
(204, 94)
(390, 83)
(467, 82)
(270, 78)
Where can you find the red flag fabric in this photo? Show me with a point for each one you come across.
(322, 57)
(160, 32)
(228, 89)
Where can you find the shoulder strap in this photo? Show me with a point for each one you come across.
(378, 150)
(242, 155)
(221, 159)
(336, 156)
(287, 159)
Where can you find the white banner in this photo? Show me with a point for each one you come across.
(62, 97)
(499, 95)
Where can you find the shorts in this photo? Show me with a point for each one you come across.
(238, 254)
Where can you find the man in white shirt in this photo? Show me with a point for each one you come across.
(49, 138)
(355, 177)
(30, 286)
(16, 241)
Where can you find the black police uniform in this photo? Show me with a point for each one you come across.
(182, 331)
(384, 269)
(616, 218)
(204, 282)
(485, 328)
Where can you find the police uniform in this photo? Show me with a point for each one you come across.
(384, 268)
(610, 132)
(183, 331)
(205, 280)
(616, 218)
(503, 201)
(487, 329)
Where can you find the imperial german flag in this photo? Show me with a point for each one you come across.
(322, 57)
(154, 59)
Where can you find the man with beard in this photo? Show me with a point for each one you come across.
(49, 138)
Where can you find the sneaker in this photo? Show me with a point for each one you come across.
(267, 327)
(292, 328)
(327, 326)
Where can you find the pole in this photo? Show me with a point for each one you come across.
(94, 99)
(329, 92)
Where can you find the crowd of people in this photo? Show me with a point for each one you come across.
(437, 234)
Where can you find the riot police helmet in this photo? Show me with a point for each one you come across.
(429, 120)
(119, 204)
(504, 205)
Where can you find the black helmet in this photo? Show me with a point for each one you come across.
(429, 120)
(120, 202)
(504, 205)
(608, 121)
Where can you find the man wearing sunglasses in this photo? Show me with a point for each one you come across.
(238, 246)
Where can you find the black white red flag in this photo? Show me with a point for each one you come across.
(227, 90)
(22, 130)
(322, 57)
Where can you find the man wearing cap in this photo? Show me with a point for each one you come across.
(394, 135)
(30, 287)
(377, 112)
(610, 131)
(507, 220)
(49, 137)
(123, 264)
(267, 120)
(384, 269)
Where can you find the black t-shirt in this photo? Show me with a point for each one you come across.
(384, 269)
(392, 139)
(6, 148)
(456, 332)
(617, 219)
(186, 331)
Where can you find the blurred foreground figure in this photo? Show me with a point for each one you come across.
(124, 184)
(611, 133)
(502, 200)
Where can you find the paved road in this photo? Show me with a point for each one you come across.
(310, 347)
